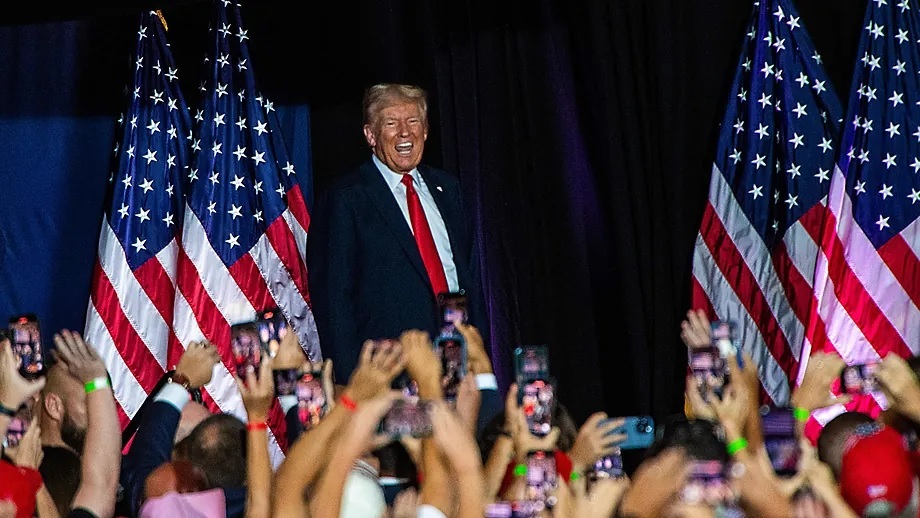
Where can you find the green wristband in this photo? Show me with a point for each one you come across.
(520, 470)
(737, 445)
(96, 384)
(801, 414)
(573, 476)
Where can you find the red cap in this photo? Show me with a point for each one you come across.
(20, 486)
(876, 470)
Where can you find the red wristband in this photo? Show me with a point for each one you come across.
(348, 403)
(257, 426)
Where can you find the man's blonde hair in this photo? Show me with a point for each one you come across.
(379, 96)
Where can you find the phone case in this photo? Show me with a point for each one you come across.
(640, 432)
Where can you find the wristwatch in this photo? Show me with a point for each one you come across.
(181, 379)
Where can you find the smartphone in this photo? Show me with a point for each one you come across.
(707, 484)
(780, 440)
(452, 350)
(707, 366)
(18, 426)
(610, 466)
(859, 379)
(537, 398)
(724, 336)
(247, 347)
(26, 340)
(454, 309)
(407, 418)
(531, 362)
(273, 327)
(541, 478)
(639, 431)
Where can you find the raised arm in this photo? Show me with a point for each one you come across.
(102, 452)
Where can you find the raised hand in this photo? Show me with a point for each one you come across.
(197, 363)
(596, 439)
(80, 358)
(377, 367)
(696, 330)
(258, 392)
(815, 390)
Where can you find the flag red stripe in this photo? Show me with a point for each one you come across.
(873, 323)
(248, 277)
(282, 240)
(298, 207)
(699, 299)
(903, 264)
(141, 362)
(730, 262)
(157, 285)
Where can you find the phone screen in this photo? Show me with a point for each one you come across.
(18, 426)
(610, 466)
(780, 441)
(407, 418)
(541, 477)
(452, 350)
(26, 341)
(453, 310)
(272, 329)
(531, 362)
(708, 369)
(859, 379)
(707, 484)
(312, 403)
(537, 398)
(246, 345)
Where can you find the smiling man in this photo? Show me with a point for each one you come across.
(385, 239)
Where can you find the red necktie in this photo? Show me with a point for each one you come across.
(424, 239)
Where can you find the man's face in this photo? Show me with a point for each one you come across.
(74, 423)
(398, 135)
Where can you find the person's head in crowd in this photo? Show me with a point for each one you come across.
(60, 469)
(834, 436)
(362, 495)
(562, 419)
(179, 476)
(396, 124)
(876, 477)
(63, 410)
(698, 438)
(217, 446)
(192, 415)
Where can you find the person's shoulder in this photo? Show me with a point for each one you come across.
(352, 178)
(439, 175)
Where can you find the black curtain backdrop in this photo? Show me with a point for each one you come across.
(582, 131)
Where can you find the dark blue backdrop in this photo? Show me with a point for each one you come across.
(60, 96)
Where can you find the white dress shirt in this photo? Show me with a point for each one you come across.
(432, 214)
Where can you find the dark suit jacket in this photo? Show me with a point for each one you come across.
(366, 276)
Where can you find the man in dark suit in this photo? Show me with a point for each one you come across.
(387, 238)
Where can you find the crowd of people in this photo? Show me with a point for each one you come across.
(473, 457)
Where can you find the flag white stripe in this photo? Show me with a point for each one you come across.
(167, 257)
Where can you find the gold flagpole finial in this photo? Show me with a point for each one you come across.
(162, 19)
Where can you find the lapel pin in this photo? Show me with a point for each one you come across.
(439, 188)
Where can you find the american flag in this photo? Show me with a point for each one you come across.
(130, 314)
(756, 251)
(867, 285)
(245, 227)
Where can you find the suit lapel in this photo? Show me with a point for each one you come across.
(447, 206)
(380, 195)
